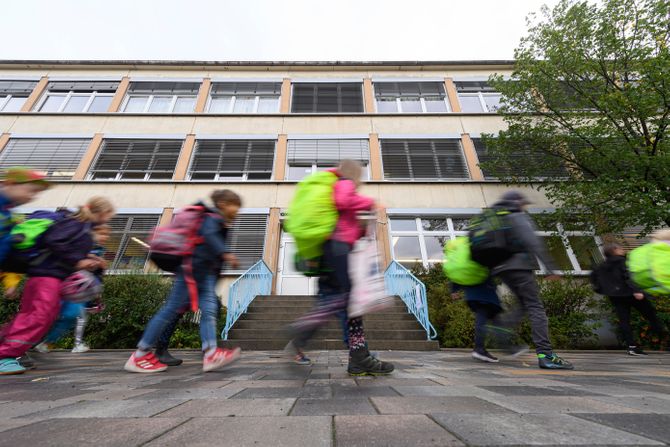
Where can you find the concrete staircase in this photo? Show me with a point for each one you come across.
(263, 327)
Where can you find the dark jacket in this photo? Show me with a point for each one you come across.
(208, 256)
(482, 293)
(69, 241)
(530, 244)
(6, 225)
(611, 278)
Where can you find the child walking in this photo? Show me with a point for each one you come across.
(207, 261)
(67, 244)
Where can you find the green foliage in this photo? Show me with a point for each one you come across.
(570, 304)
(589, 102)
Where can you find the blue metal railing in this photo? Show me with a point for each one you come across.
(254, 282)
(400, 281)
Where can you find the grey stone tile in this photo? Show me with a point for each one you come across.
(98, 432)
(21, 408)
(331, 407)
(217, 408)
(645, 404)
(109, 409)
(538, 391)
(251, 431)
(533, 429)
(8, 424)
(190, 393)
(243, 384)
(43, 391)
(312, 392)
(391, 381)
(654, 426)
(439, 390)
(558, 404)
(347, 392)
(426, 405)
(384, 430)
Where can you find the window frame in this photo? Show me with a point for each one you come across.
(119, 175)
(482, 102)
(4, 100)
(398, 100)
(150, 99)
(126, 238)
(233, 99)
(92, 96)
(245, 174)
(315, 102)
(467, 177)
(74, 162)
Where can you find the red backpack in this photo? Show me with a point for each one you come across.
(172, 245)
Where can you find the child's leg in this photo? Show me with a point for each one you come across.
(65, 322)
(40, 305)
(79, 328)
(209, 312)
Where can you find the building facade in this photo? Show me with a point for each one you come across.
(155, 136)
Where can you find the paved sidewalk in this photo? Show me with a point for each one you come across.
(436, 398)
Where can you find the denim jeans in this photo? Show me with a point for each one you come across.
(67, 320)
(177, 301)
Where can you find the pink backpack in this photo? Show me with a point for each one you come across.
(172, 245)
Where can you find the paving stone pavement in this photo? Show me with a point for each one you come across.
(432, 399)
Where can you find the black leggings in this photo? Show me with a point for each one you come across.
(622, 307)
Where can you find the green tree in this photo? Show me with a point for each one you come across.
(587, 109)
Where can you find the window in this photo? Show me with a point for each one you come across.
(308, 156)
(244, 97)
(246, 239)
(521, 163)
(327, 98)
(125, 249)
(220, 160)
(423, 159)
(77, 97)
(161, 97)
(477, 97)
(573, 251)
(13, 94)
(57, 158)
(411, 97)
(122, 159)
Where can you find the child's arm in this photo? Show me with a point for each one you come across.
(11, 281)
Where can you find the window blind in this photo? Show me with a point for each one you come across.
(409, 89)
(215, 159)
(439, 159)
(327, 98)
(126, 159)
(18, 88)
(171, 88)
(246, 239)
(543, 165)
(473, 87)
(83, 86)
(246, 88)
(308, 152)
(57, 158)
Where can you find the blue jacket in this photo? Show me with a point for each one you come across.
(208, 256)
(6, 224)
(483, 293)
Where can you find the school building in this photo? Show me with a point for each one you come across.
(155, 136)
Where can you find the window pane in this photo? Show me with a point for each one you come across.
(298, 172)
(435, 105)
(136, 104)
(410, 105)
(434, 224)
(100, 104)
(220, 104)
(268, 105)
(586, 250)
(435, 247)
(387, 105)
(76, 104)
(14, 104)
(244, 104)
(160, 104)
(104, 175)
(400, 224)
(557, 252)
(406, 250)
(184, 105)
(460, 224)
(492, 102)
(53, 103)
(470, 103)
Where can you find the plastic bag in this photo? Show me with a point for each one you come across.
(368, 291)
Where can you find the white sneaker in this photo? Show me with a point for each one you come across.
(43, 347)
(80, 348)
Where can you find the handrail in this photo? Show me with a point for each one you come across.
(257, 280)
(400, 281)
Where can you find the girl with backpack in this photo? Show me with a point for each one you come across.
(206, 262)
(335, 283)
(64, 249)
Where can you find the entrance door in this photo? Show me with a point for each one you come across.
(290, 281)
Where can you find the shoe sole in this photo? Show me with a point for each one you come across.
(566, 368)
(12, 373)
(237, 353)
(635, 354)
(483, 358)
(134, 369)
(366, 373)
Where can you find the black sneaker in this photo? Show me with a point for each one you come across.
(484, 356)
(363, 364)
(636, 351)
(553, 361)
(166, 358)
(26, 361)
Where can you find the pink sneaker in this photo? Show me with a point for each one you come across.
(220, 358)
(148, 363)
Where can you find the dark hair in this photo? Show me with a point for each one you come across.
(226, 195)
(610, 249)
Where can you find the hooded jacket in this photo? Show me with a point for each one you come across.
(208, 256)
(348, 203)
(611, 278)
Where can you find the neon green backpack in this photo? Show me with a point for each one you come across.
(458, 265)
(312, 214)
(649, 268)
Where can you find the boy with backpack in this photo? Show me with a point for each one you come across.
(612, 279)
(508, 230)
(194, 245)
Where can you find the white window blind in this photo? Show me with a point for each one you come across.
(57, 158)
(327, 151)
(327, 98)
(125, 251)
(423, 159)
(232, 159)
(126, 159)
(246, 239)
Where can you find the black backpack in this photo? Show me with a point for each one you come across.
(491, 239)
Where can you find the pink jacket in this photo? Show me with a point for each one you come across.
(348, 203)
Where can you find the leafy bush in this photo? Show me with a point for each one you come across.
(130, 302)
(570, 304)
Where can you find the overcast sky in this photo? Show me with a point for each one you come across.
(264, 29)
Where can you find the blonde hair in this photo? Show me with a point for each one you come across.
(661, 235)
(351, 170)
(94, 206)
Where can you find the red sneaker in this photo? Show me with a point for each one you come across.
(220, 358)
(148, 363)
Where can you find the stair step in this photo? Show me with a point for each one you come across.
(395, 316)
(373, 334)
(334, 344)
(332, 324)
